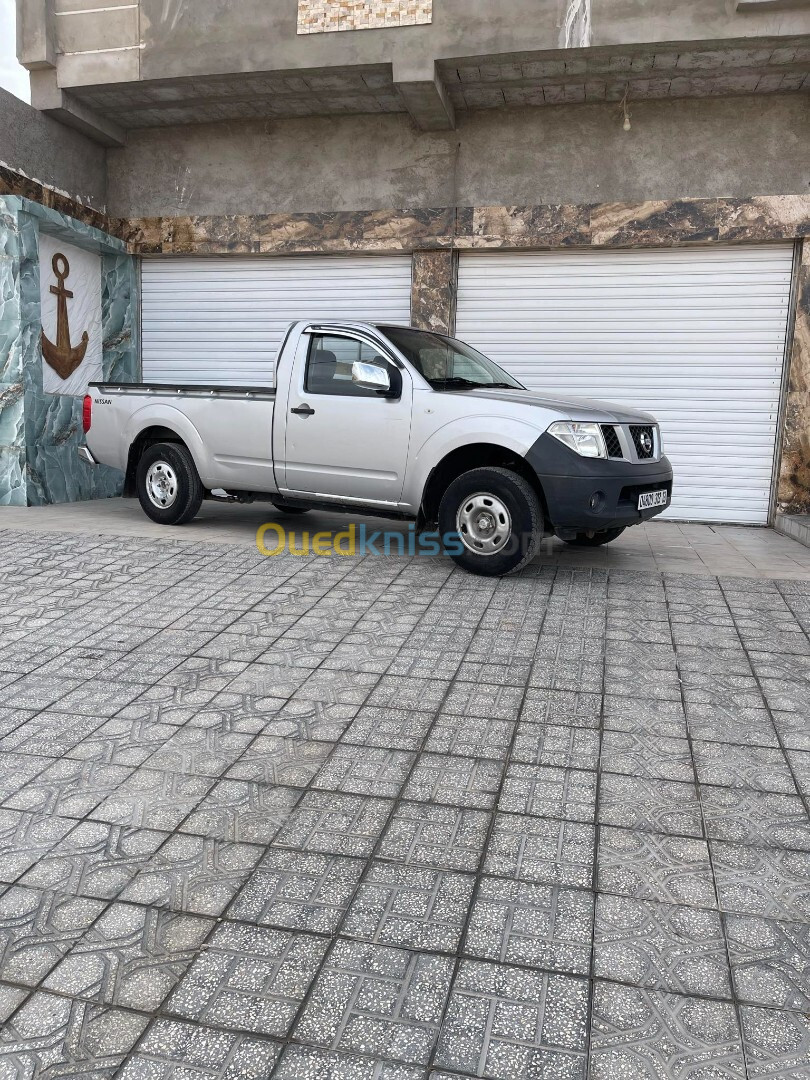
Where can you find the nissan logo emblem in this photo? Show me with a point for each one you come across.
(646, 442)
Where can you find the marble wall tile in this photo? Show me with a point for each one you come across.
(553, 226)
(653, 223)
(327, 16)
(771, 217)
(793, 495)
(40, 433)
(14, 184)
(433, 290)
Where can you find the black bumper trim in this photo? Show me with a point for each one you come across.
(569, 482)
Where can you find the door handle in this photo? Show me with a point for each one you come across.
(303, 410)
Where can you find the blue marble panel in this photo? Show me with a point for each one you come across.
(40, 433)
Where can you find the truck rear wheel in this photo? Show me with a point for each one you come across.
(596, 539)
(168, 485)
(491, 521)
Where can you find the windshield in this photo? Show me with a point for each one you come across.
(448, 364)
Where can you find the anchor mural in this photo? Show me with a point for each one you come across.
(62, 357)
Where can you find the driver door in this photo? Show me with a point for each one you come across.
(344, 441)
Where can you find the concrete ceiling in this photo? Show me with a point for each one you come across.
(539, 79)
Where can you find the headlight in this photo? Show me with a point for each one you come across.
(584, 439)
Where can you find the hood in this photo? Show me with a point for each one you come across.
(585, 409)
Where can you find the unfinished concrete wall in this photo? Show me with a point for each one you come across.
(46, 151)
(570, 154)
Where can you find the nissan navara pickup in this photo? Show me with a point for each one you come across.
(395, 422)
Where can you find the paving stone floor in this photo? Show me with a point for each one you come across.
(376, 819)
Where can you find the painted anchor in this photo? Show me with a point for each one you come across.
(62, 357)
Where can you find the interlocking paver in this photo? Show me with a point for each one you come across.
(542, 850)
(649, 866)
(172, 1048)
(249, 978)
(131, 957)
(242, 811)
(660, 946)
(532, 925)
(647, 1033)
(51, 1035)
(376, 819)
(410, 906)
(777, 1044)
(442, 837)
(37, 928)
(556, 744)
(298, 890)
(660, 806)
(335, 822)
(514, 1024)
(195, 874)
(379, 1000)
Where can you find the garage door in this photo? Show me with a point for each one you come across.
(222, 320)
(696, 337)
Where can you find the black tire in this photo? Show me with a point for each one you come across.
(597, 540)
(187, 497)
(285, 508)
(523, 525)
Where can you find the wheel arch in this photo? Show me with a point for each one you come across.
(475, 456)
(149, 436)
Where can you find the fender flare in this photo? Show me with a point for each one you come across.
(158, 414)
(514, 435)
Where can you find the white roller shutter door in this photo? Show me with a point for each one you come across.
(697, 337)
(222, 320)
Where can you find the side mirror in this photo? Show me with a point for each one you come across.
(371, 377)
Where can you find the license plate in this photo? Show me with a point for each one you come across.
(649, 499)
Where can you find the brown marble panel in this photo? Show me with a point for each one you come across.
(771, 217)
(794, 470)
(13, 183)
(433, 290)
(552, 226)
(655, 223)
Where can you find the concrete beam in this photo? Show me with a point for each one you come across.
(50, 99)
(35, 37)
(424, 96)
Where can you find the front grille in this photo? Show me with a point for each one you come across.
(612, 444)
(641, 434)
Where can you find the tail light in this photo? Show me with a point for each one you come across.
(87, 413)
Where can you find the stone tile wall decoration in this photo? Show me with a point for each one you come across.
(327, 16)
(39, 431)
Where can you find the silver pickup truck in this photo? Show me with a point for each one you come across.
(392, 422)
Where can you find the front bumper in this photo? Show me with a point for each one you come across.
(570, 482)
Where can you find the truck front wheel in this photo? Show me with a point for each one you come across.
(491, 521)
(168, 485)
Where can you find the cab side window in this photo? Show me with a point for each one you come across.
(329, 365)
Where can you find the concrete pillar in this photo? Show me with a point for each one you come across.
(794, 471)
(433, 290)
